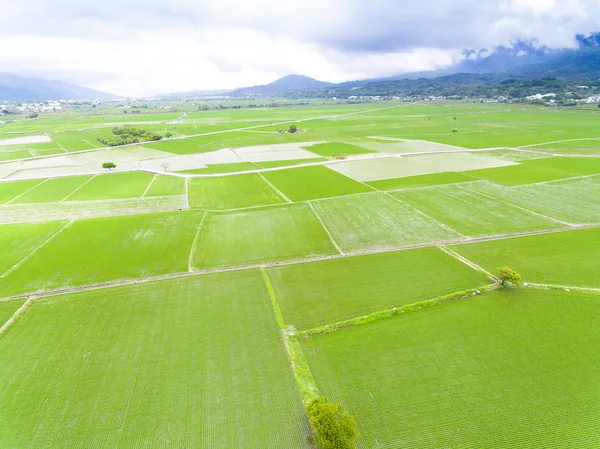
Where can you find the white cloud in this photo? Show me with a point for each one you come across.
(154, 46)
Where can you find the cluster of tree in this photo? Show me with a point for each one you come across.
(332, 427)
(124, 135)
(133, 111)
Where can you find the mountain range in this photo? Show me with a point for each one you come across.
(18, 88)
(522, 61)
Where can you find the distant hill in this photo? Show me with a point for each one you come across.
(17, 88)
(196, 94)
(286, 85)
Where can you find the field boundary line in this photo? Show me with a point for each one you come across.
(270, 184)
(18, 314)
(273, 297)
(558, 141)
(26, 191)
(466, 261)
(200, 272)
(561, 287)
(35, 250)
(564, 223)
(195, 242)
(337, 247)
(73, 192)
(187, 192)
(149, 185)
(393, 312)
(439, 223)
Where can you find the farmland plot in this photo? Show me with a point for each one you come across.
(52, 190)
(25, 213)
(166, 185)
(378, 221)
(546, 199)
(433, 179)
(231, 192)
(316, 293)
(472, 214)
(192, 362)
(262, 235)
(11, 190)
(519, 174)
(113, 185)
(308, 183)
(381, 168)
(566, 258)
(332, 149)
(512, 368)
(17, 241)
(107, 249)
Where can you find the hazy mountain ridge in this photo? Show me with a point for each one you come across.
(18, 88)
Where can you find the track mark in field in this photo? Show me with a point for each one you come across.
(71, 194)
(270, 184)
(191, 268)
(90, 144)
(562, 287)
(33, 252)
(149, 185)
(26, 191)
(466, 261)
(20, 311)
(273, 298)
(518, 207)
(338, 249)
(439, 223)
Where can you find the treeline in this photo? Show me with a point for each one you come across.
(124, 135)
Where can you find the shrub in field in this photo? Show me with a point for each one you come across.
(507, 274)
(333, 427)
(455, 130)
(109, 165)
(293, 129)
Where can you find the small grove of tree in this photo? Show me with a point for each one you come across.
(293, 129)
(109, 165)
(507, 274)
(333, 428)
(123, 135)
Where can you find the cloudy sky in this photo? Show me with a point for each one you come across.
(143, 47)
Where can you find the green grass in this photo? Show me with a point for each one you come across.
(166, 185)
(565, 258)
(309, 183)
(377, 221)
(258, 236)
(575, 165)
(511, 368)
(289, 162)
(18, 240)
(10, 190)
(230, 192)
(336, 149)
(231, 167)
(106, 249)
(8, 308)
(52, 190)
(433, 179)
(114, 185)
(316, 293)
(473, 214)
(192, 362)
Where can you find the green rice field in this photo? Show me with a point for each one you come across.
(204, 291)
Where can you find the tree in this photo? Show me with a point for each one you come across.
(293, 129)
(333, 427)
(168, 135)
(164, 165)
(507, 274)
(455, 130)
(109, 165)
